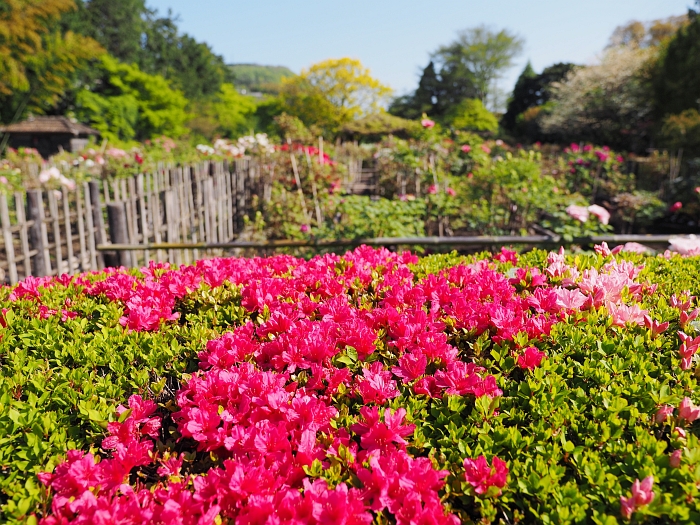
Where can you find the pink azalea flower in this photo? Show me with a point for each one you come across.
(531, 358)
(602, 249)
(675, 458)
(641, 495)
(663, 413)
(427, 123)
(687, 411)
(432, 189)
(623, 314)
(689, 245)
(570, 299)
(466, 148)
(481, 476)
(507, 255)
(377, 386)
(689, 347)
(655, 326)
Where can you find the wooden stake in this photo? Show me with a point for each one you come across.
(295, 169)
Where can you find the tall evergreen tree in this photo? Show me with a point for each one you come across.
(677, 76)
(532, 90)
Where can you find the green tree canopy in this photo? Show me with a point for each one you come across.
(133, 33)
(471, 115)
(677, 75)
(129, 104)
(38, 62)
(467, 68)
(480, 55)
(532, 90)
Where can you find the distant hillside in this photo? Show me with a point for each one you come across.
(254, 77)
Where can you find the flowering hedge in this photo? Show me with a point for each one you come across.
(544, 388)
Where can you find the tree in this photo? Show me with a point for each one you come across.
(479, 55)
(132, 33)
(471, 115)
(37, 61)
(332, 93)
(532, 90)
(650, 34)
(677, 75)
(426, 99)
(228, 114)
(607, 103)
(129, 104)
(118, 25)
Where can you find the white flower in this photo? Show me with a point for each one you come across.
(51, 173)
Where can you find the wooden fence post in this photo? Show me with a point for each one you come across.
(97, 220)
(116, 215)
(35, 212)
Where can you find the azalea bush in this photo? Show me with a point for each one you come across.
(368, 387)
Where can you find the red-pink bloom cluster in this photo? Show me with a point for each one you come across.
(641, 495)
(688, 349)
(531, 358)
(482, 476)
(263, 401)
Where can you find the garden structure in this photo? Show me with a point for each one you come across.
(49, 135)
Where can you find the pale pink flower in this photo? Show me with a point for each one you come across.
(687, 411)
(689, 347)
(623, 314)
(603, 249)
(675, 458)
(569, 299)
(601, 213)
(580, 213)
(451, 192)
(485, 148)
(631, 247)
(641, 495)
(427, 123)
(663, 413)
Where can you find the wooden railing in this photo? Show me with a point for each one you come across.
(51, 232)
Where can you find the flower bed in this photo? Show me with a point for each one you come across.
(543, 388)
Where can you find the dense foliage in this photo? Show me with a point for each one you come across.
(542, 388)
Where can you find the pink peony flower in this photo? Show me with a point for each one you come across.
(601, 213)
(580, 213)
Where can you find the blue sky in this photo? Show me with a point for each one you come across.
(395, 38)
